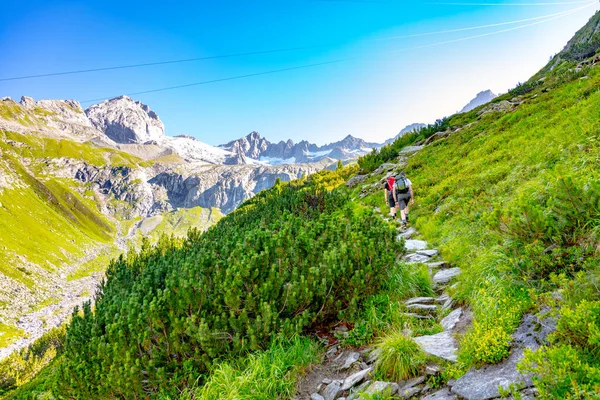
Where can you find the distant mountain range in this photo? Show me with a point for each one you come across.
(255, 147)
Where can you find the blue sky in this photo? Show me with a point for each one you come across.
(383, 84)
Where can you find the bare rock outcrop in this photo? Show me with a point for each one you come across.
(126, 121)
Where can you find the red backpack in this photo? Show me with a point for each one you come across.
(391, 180)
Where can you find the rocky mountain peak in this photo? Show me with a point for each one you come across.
(482, 98)
(126, 121)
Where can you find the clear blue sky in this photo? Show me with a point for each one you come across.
(372, 96)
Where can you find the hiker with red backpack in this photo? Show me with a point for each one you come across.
(390, 196)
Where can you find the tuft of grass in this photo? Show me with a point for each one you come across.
(400, 357)
(270, 374)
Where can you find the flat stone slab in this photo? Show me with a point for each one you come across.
(416, 259)
(412, 244)
(444, 394)
(422, 308)
(407, 234)
(428, 253)
(316, 396)
(482, 384)
(450, 321)
(421, 300)
(445, 276)
(355, 379)
(441, 345)
(435, 265)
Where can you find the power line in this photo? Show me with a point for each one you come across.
(349, 59)
(187, 60)
(508, 4)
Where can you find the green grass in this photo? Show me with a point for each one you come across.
(400, 357)
(477, 189)
(8, 334)
(40, 148)
(270, 374)
(98, 264)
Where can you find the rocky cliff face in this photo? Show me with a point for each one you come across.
(126, 121)
(482, 98)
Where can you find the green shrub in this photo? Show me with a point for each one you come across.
(400, 357)
(21, 366)
(560, 372)
(289, 258)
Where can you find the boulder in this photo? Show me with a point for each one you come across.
(355, 180)
(441, 345)
(444, 276)
(316, 396)
(481, 384)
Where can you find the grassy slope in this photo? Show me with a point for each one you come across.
(47, 222)
(510, 199)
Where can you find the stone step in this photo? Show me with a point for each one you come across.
(422, 308)
(443, 298)
(428, 253)
(441, 345)
(416, 259)
(355, 379)
(415, 245)
(445, 276)
(418, 316)
(407, 234)
(422, 300)
(436, 265)
(450, 321)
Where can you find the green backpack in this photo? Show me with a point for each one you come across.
(401, 185)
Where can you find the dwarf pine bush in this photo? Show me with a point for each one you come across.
(287, 259)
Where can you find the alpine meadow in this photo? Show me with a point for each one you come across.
(236, 279)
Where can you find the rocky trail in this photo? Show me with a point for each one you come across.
(347, 374)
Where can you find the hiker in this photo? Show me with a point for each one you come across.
(404, 195)
(390, 196)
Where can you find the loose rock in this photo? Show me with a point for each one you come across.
(450, 321)
(440, 345)
(355, 379)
